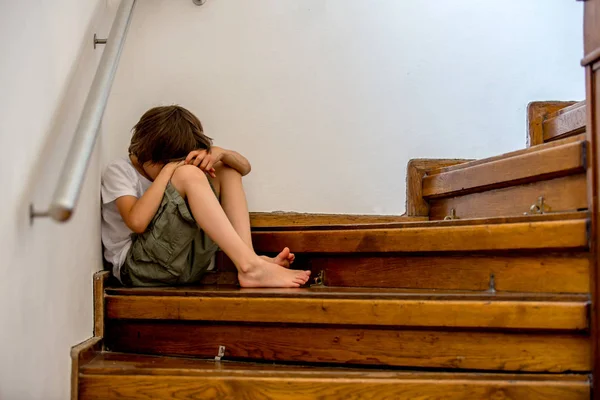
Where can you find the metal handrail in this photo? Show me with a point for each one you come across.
(73, 173)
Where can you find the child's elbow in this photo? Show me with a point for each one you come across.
(137, 227)
(138, 230)
(247, 170)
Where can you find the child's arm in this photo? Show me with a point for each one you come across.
(138, 213)
(206, 161)
(236, 161)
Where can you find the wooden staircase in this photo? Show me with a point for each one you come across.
(489, 298)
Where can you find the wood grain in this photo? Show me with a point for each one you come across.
(591, 41)
(591, 45)
(545, 146)
(517, 273)
(100, 279)
(269, 219)
(340, 293)
(82, 354)
(416, 205)
(560, 234)
(560, 195)
(537, 112)
(161, 377)
(557, 216)
(565, 122)
(509, 314)
(185, 387)
(510, 272)
(550, 163)
(454, 350)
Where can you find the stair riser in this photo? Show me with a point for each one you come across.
(560, 195)
(564, 123)
(191, 387)
(554, 273)
(492, 351)
(530, 235)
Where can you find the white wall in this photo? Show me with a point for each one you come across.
(46, 65)
(330, 99)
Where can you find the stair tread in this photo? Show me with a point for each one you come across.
(565, 110)
(547, 163)
(114, 376)
(354, 307)
(108, 363)
(550, 232)
(533, 149)
(570, 215)
(566, 121)
(343, 293)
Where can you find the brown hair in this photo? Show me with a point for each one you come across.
(165, 134)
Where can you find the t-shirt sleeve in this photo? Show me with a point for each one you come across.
(117, 181)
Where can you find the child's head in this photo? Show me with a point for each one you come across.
(165, 134)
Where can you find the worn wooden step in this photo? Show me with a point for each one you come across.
(567, 231)
(353, 256)
(559, 195)
(268, 219)
(118, 376)
(565, 272)
(565, 122)
(459, 330)
(545, 253)
(455, 349)
(554, 120)
(535, 164)
(550, 273)
(352, 306)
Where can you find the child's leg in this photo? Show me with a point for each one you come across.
(233, 201)
(253, 271)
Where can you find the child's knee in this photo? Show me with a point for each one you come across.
(222, 170)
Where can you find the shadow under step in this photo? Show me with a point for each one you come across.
(118, 376)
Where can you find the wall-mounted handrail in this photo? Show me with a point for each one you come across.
(73, 172)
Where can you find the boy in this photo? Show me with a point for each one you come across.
(174, 201)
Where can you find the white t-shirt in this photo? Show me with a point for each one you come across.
(120, 178)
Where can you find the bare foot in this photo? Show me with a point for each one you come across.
(284, 259)
(266, 274)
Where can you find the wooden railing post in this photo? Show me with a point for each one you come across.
(591, 62)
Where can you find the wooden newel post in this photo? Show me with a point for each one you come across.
(591, 62)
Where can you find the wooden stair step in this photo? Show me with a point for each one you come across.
(268, 219)
(509, 170)
(565, 122)
(566, 272)
(568, 193)
(116, 376)
(451, 349)
(521, 152)
(355, 326)
(548, 273)
(520, 233)
(353, 306)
